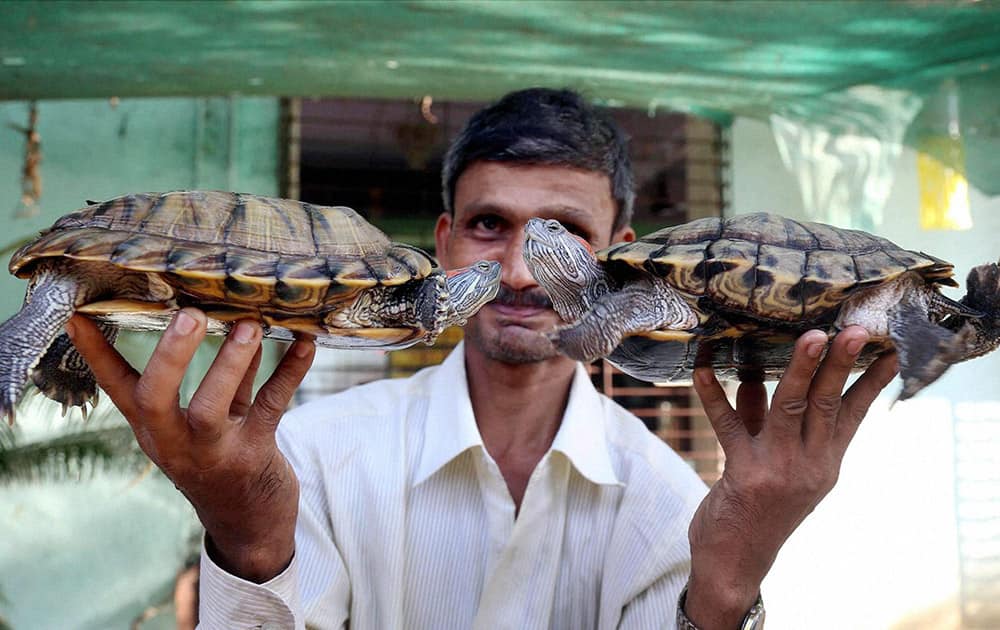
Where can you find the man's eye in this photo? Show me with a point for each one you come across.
(489, 223)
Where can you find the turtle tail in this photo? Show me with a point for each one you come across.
(25, 337)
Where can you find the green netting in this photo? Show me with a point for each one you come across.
(716, 59)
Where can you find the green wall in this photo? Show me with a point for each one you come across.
(95, 552)
(93, 150)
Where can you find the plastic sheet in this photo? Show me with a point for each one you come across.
(843, 148)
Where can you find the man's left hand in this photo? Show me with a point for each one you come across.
(780, 462)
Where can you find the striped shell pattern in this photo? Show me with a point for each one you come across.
(771, 267)
(234, 248)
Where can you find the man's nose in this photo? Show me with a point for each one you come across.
(515, 270)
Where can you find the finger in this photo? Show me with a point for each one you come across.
(751, 405)
(725, 422)
(156, 392)
(274, 395)
(241, 402)
(216, 394)
(859, 398)
(790, 401)
(112, 371)
(828, 387)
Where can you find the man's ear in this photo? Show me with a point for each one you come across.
(442, 230)
(624, 235)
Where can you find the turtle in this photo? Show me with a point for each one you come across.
(734, 293)
(298, 268)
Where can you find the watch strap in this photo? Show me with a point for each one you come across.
(753, 620)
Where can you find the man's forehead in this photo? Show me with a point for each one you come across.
(559, 211)
(545, 190)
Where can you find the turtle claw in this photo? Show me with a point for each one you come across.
(9, 398)
(433, 306)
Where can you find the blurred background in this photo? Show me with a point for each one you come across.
(878, 116)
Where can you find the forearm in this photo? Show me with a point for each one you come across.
(250, 525)
(712, 605)
(255, 561)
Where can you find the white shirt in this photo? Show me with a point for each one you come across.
(405, 520)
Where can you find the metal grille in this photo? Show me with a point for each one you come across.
(383, 158)
(672, 412)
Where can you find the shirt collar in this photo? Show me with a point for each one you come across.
(451, 428)
(582, 436)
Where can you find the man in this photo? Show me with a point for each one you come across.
(499, 489)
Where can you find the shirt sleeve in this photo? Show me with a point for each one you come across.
(228, 602)
(655, 607)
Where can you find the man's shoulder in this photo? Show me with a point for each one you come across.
(363, 412)
(641, 456)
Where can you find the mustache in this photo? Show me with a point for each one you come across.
(529, 297)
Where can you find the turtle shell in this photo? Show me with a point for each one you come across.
(769, 267)
(280, 259)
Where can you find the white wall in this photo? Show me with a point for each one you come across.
(883, 545)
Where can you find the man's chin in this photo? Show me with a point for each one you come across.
(512, 344)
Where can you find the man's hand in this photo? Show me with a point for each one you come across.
(220, 451)
(780, 462)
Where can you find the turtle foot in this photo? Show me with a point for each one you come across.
(983, 286)
(13, 378)
(7, 404)
(14, 366)
(63, 376)
(433, 306)
(926, 355)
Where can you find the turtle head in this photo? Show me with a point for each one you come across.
(471, 287)
(564, 265)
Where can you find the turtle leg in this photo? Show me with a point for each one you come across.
(983, 296)
(925, 349)
(25, 337)
(636, 308)
(432, 306)
(65, 377)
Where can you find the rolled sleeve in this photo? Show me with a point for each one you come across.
(656, 607)
(231, 603)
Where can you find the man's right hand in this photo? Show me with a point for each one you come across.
(220, 451)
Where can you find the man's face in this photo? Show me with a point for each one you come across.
(493, 202)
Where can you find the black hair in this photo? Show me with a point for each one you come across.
(544, 126)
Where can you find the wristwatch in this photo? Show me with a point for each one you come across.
(754, 619)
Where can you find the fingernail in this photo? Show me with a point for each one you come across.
(71, 329)
(813, 350)
(300, 349)
(244, 332)
(854, 346)
(184, 323)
